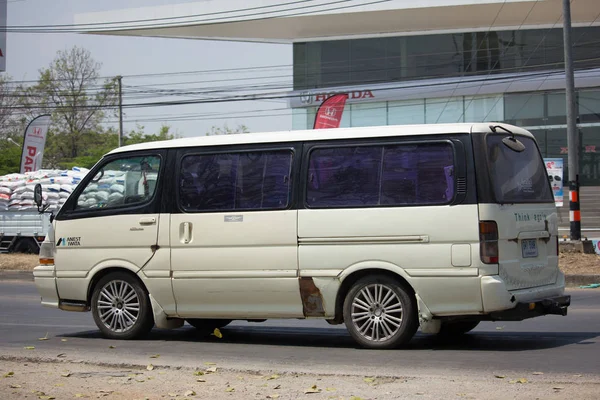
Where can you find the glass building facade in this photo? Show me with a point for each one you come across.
(348, 63)
(392, 59)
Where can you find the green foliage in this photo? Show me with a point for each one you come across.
(225, 130)
(98, 144)
(10, 158)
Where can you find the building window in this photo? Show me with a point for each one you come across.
(377, 60)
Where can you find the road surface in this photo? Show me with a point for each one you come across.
(551, 344)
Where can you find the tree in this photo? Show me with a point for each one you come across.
(71, 90)
(100, 143)
(138, 136)
(225, 130)
(8, 101)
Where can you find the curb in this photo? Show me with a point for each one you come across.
(570, 280)
(16, 276)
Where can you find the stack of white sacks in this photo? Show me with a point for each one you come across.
(16, 190)
(108, 191)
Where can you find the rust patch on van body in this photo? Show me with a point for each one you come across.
(312, 299)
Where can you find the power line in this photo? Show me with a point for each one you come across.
(286, 94)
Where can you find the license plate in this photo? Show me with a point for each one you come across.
(529, 248)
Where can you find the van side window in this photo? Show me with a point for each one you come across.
(121, 182)
(390, 175)
(259, 180)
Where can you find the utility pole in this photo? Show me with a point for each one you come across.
(119, 79)
(572, 137)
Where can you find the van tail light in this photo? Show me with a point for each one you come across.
(488, 242)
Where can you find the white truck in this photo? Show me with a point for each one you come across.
(23, 231)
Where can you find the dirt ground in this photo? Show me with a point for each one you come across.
(25, 379)
(570, 263)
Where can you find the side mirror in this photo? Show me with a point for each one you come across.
(37, 195)
(37, 198)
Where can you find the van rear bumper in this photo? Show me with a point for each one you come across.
(550, 306)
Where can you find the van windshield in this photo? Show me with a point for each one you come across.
(517, 177)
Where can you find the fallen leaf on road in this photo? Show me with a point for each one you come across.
(355, 398)
(111, 347)
(61, 355)
(277, 387)
(63, 340)
(198, 373)
(230, 389)
(15, 386)
(211, 370)
(217, 333)
(313, 389)
(150, 367)
(330, 389)
(274, 376)
(210, 363)
(47, 397)
(29, 347)
(272, 396)
(80, 395)
(558, 387)
(9, 374)
(172, 394)
(155, 356)
(200, 380)
(537, 373)
(520, 380)
(500, 376)
(189, 393)
(66, 374)
(44, 338)
(369, 380)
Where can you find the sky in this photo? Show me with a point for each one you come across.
(27, 53)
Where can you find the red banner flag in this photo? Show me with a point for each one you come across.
(330, 112)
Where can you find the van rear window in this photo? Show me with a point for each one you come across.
(517, 177)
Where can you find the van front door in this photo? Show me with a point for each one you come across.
(234, 238)
(112, 222)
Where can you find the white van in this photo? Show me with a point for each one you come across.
(385, 229)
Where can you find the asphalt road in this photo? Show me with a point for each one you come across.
(552, 344)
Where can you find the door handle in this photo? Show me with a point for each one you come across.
(187, 229)
(147, 221)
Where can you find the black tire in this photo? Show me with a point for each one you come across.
(27, 246)
(397, 324)
(208, 325)
(457, 328)
(122, 327)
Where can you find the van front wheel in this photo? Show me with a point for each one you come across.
(380, 313)
(121, 307)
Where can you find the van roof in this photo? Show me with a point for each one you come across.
(321, 134)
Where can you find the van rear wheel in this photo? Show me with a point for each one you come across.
(380, 313)
(121, 307)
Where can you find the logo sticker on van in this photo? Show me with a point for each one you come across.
(69, 241)
(234, 218)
